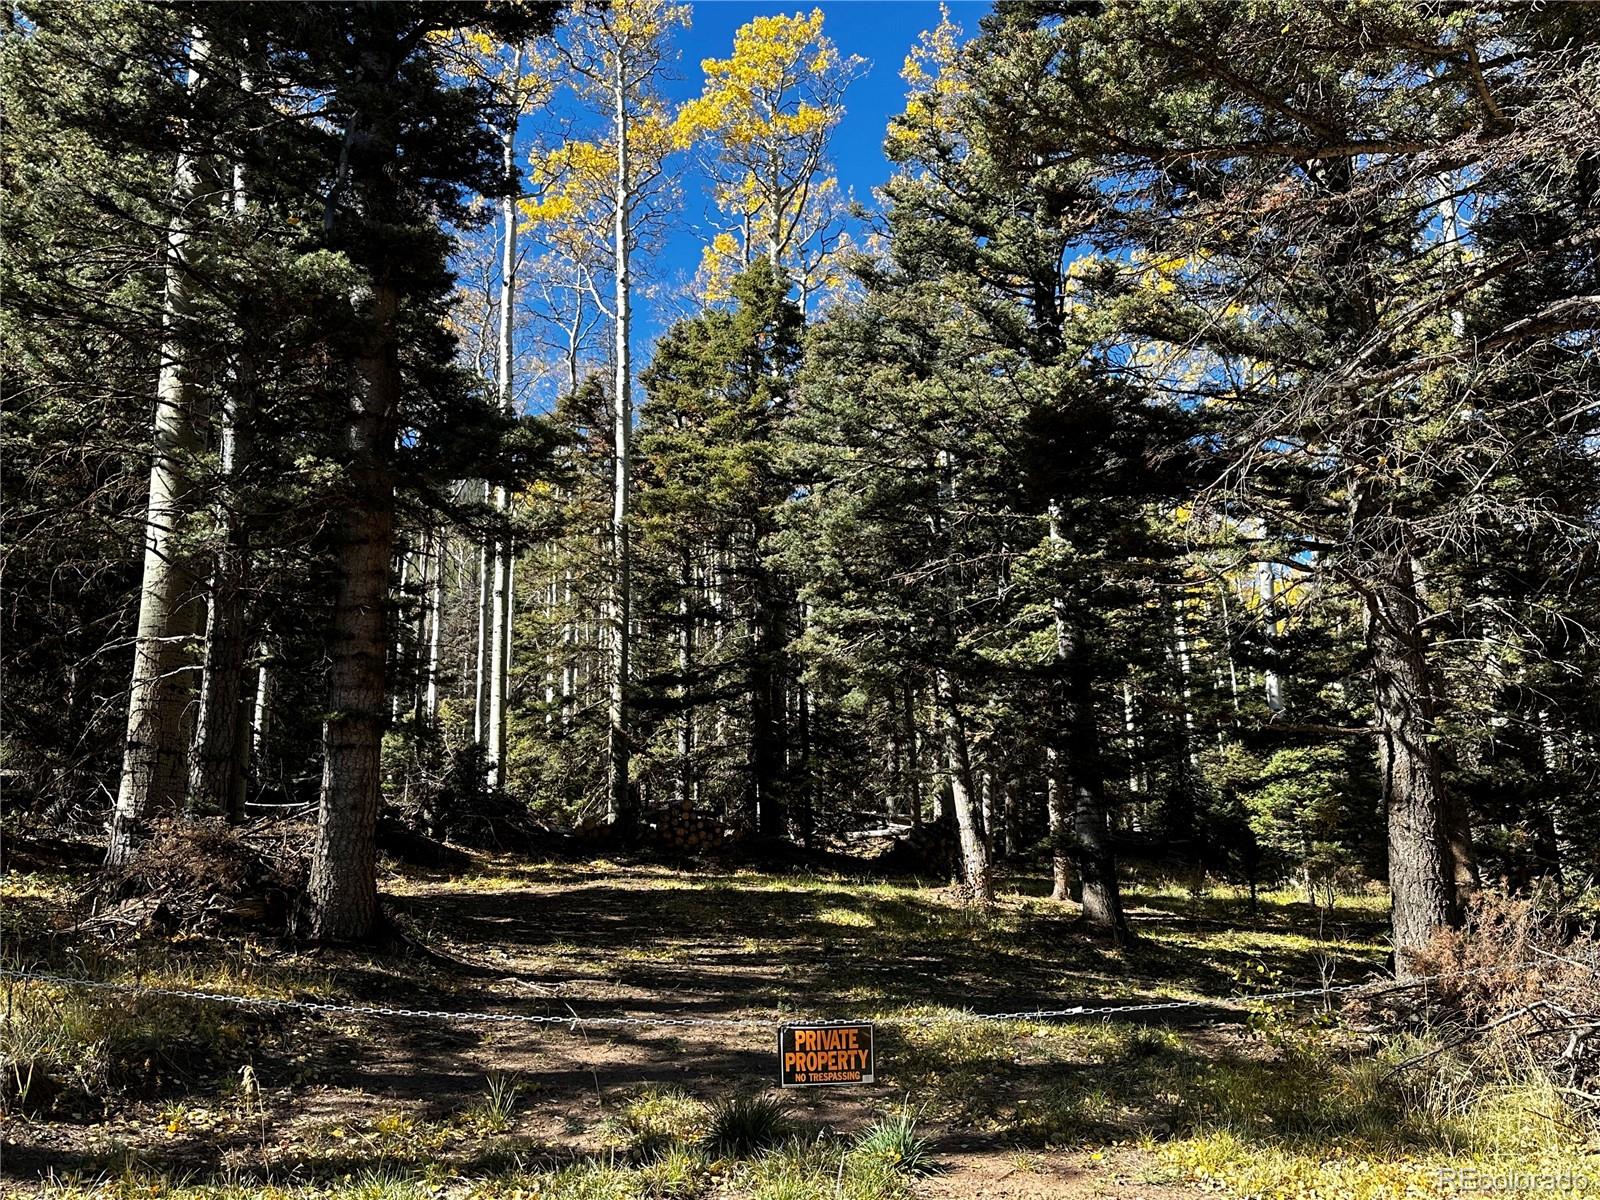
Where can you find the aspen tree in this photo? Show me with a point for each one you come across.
(614, 58)
(766, 113)
(154, 775)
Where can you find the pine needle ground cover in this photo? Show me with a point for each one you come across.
(157, 1097)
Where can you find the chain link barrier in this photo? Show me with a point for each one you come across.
(575, 1021)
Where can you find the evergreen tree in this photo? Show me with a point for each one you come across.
(720, 390)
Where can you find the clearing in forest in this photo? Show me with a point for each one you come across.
(1253, 1099)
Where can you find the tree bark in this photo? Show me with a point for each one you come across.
(500, 616)
(685, 775)
(975, 866)
(620, 809)
(481, 664)
(343, 894)
(913, 743)
(1421, 875)
(1093, 853)
(1060, 818)
(435, 626)
(766, 707)
(220, 756)
(153, 768)
(216, 777)
(261, 719)
(1077, 771)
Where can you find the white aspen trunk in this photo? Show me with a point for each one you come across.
(261, 719)
(399, 633)
(1130, 731)
(569, 646)
(574, 336)
(1272, 684)
(891, 762)
(549, 643)
(497, 659)
(913, 754)
(435, 624)
(419, 626)
(975, 865)
(619, 808)
(1267, 594)
(1180, 631)
(154, 771)
(480, 675)
(1233, 668)
(499, 651)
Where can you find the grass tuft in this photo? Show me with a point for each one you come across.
(894, 1142)
(743, 1125)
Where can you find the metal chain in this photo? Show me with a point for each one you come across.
(575, 1021)
(366, 1010)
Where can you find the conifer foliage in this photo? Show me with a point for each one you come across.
(1185, 464)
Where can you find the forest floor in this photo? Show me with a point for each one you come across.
(191, 1100)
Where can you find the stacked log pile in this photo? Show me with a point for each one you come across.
(682, 829)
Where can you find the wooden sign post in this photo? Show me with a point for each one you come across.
(823, 1054)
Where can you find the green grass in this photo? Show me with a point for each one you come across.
(1286, 1104)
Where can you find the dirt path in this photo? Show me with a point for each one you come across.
(657, 944)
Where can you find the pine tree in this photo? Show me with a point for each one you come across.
(720, 389)
(1281, 213)
(392, 184)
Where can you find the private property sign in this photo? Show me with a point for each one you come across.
(832, 1053)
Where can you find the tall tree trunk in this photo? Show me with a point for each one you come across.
(893, 793)
(913, 738)
(620, 809)
(500, 613)
(1059, 812)
(1076, 769)
(343, 892)
(1266, 581)
(1093, 854)
(685, 774)
(766, 706)
(153, 767)
(1421, 875)
(569, 651)
(220, 756)
(974, 850)
(216, 778)
(435, 627)
(804, 815)
(481, 667)
(401, 663)
(1130, 734)
(261, 718)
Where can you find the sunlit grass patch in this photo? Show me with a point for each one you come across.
(67, 1051)
(655, 1120)
(1238, 1165)
(820, 1169)
(52, 886)
(847, 917)
(956, 1067)
(1313, 1121)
